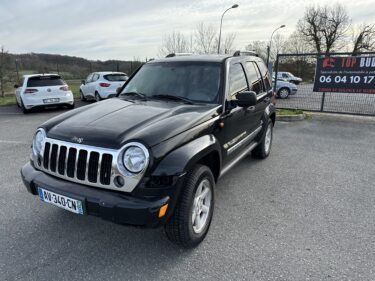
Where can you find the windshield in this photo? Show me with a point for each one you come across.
(195, 81)
(115, 77)
(45, 81)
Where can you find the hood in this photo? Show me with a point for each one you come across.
(113, 122)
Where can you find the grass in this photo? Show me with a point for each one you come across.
(73, 85)
(283, 112)
(7, 100)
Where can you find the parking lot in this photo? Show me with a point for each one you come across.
(334, 102)
(311, 217)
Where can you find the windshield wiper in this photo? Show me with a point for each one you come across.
(143, 96)
(172, 97)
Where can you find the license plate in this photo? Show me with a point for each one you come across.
(51, 100)
(67, 203)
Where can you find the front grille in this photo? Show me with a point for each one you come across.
(78, 164)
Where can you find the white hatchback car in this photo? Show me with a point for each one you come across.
(41, 90)
(102, 85)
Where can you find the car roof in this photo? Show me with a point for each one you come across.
(109, 72)
(203, 58)
(40, 74)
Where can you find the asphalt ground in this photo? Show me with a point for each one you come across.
(306, 99)
(305, 213)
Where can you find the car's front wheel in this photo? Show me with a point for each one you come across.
(264, 147)
(283, 93)
(192, 216)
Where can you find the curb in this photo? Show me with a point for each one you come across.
(290, 118)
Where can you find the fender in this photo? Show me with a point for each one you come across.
(183, 158)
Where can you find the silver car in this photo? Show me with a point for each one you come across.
(284, 89)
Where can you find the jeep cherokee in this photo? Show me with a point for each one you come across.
(152, 156)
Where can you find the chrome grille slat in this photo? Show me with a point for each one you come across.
(99, 175)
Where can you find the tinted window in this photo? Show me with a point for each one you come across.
(254, 77)
(197, 81)
(115, 77)
(266, 76)
(45, 81)
(237, 79)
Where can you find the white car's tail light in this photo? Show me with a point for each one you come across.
(104, 84)
(64, 88)
(30, 91)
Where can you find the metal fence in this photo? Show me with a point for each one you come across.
(303, 66)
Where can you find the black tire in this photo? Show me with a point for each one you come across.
(82, 96)
(179, 228)
(97, 97)
(24, 109)
(263, 150)
(283, 93)
(71, 106)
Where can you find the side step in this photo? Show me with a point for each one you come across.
(238, 158)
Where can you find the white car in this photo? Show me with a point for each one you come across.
(288, 77)
(102, 85)
(40, 90)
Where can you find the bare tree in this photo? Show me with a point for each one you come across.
(205, 39)
(364, 38)
(226, 45)
(174, 42)
(260, 47)
(323, 27)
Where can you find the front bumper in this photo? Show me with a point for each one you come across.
(293, 91)
(109, 205)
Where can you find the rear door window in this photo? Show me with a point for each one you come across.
(255, 80)
(115, 77)
(237, 80)
(95, 77)
(45, 81)
(266, 76)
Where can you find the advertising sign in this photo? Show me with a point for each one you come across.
(345, 74)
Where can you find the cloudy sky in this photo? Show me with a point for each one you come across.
(116, 29)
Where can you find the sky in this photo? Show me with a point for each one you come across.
(116, 29)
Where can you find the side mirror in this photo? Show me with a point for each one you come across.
(16, 86)
(246, 98)
(83, 82)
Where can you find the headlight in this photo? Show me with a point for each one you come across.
(135, 157)
(38, 140)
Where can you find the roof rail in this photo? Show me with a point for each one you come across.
(245, 53)
(178, 55)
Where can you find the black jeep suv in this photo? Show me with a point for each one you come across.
(151, 156)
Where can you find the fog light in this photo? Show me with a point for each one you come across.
(119, 181)
(163, 210)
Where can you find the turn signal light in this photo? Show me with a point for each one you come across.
(163, 210)
(104, 84)
(30, 91)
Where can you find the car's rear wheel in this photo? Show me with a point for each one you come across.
(97, 97)
(82, 96)
(71, 106)
(192, 216)
(283, 93)
(24, 109)
(264, 147)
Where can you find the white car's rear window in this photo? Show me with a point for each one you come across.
(45, 81)
(115, 77)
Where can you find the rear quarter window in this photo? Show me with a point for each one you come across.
(45, 81)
